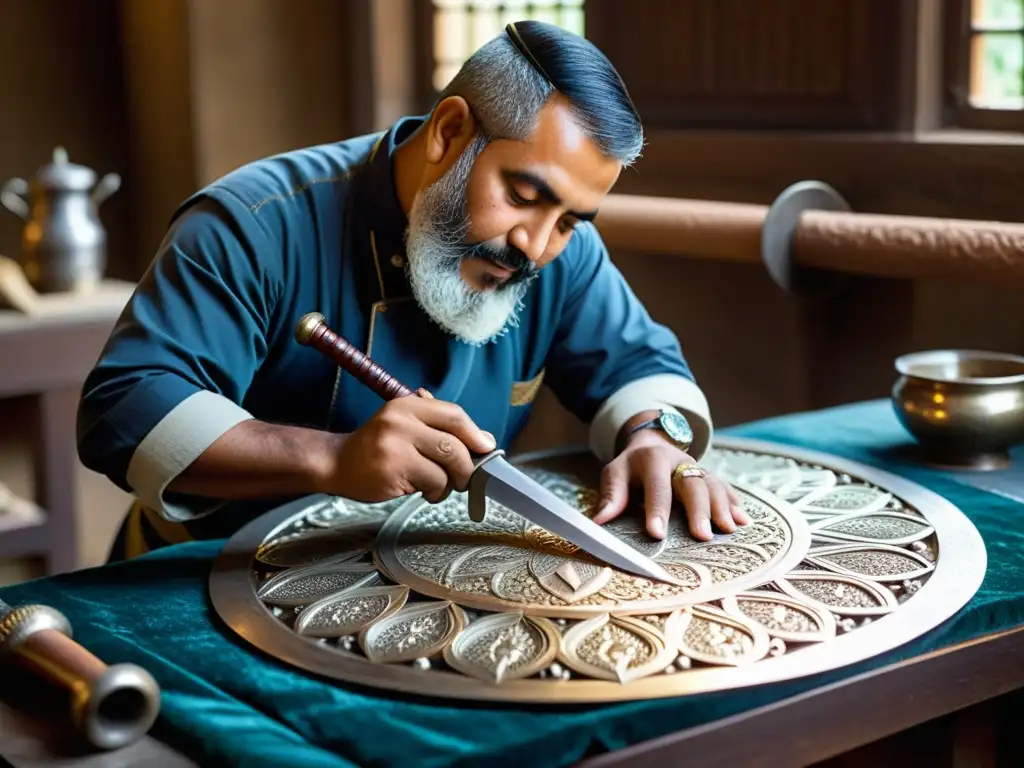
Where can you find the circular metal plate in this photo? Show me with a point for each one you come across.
(842, 562)
(510, 564)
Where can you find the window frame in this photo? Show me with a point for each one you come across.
(423, 18)
(959, 112)
(423, 28)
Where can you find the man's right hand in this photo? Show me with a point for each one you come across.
(413, 443)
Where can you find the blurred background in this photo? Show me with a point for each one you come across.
(904, 106)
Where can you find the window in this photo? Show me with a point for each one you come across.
(997, 54)
(462, 26)
(987, 67)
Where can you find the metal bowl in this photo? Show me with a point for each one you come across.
(964, 407)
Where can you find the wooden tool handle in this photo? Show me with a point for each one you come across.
(313, 332)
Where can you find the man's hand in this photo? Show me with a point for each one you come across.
(411, 444)
(648, 461)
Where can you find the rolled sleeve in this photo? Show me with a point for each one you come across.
(173, 444)
(174, 374)
(662, 392)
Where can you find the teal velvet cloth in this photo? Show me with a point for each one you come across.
(226, 704)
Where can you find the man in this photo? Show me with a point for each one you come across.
(457, 250)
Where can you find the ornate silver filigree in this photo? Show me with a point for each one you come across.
(515, 565)
(619, 648)
(782, 617)
(878, 562)
(859, 499)
(311, 547)
(350, 611)
(504, 646)
(417, 631)
(707, 634)
(886, 527)
(828, 558)
(845, 595)
(303, 586)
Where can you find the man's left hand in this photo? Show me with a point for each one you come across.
(649, 461)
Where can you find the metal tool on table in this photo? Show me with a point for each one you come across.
(493, 476)
(111, 706)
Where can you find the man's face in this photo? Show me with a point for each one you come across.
(495, 214)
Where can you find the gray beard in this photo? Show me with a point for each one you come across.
(435, 244)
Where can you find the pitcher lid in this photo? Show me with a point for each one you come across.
(64, 175)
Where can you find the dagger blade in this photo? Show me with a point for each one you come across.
(507, 485)
(493, 476)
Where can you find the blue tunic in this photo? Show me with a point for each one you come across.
(321, 229)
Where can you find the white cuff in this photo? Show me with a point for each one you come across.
(173, 444)
(663, 392)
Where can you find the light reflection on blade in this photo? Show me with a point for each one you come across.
(513, 489)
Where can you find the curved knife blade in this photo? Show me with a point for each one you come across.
(498, 480)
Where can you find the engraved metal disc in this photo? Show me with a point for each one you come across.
(840, 563)
(507, 563)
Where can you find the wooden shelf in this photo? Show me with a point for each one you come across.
(47, 356)
(16, 513)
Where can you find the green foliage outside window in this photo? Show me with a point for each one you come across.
(997, 54)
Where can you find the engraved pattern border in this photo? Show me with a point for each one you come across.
(951, 581)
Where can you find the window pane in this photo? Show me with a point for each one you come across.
(443, 74)
(511, 12)
(451, 36)
(998, 14)
(486, 24)
(572, 19)
(462, 26)
(997, 68)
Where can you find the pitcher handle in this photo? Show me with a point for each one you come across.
(12, 195)
(107, 186)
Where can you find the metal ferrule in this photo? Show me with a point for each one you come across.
(23, 622)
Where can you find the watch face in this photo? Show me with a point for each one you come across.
(677, 428)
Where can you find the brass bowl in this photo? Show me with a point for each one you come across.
(964, 407)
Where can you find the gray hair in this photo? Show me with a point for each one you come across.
(506, 93)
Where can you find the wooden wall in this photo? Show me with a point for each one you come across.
(170, 94)
(776, 64)
(60, 84)
(742, 99)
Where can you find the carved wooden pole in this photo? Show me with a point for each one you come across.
(809, 226)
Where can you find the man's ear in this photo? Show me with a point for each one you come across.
(450, 129)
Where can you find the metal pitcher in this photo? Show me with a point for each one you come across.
(63, 243)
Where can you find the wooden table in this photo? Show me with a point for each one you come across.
(46, 357)
(945, 708)
(31, 740)
(943, 704)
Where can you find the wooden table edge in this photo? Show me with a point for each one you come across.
(800, 730)
(841, 716)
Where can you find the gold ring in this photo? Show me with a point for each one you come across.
(688, 470)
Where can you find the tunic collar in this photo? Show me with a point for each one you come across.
(379, 209)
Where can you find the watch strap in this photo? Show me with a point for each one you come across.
(654, 423)
(649, 424)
